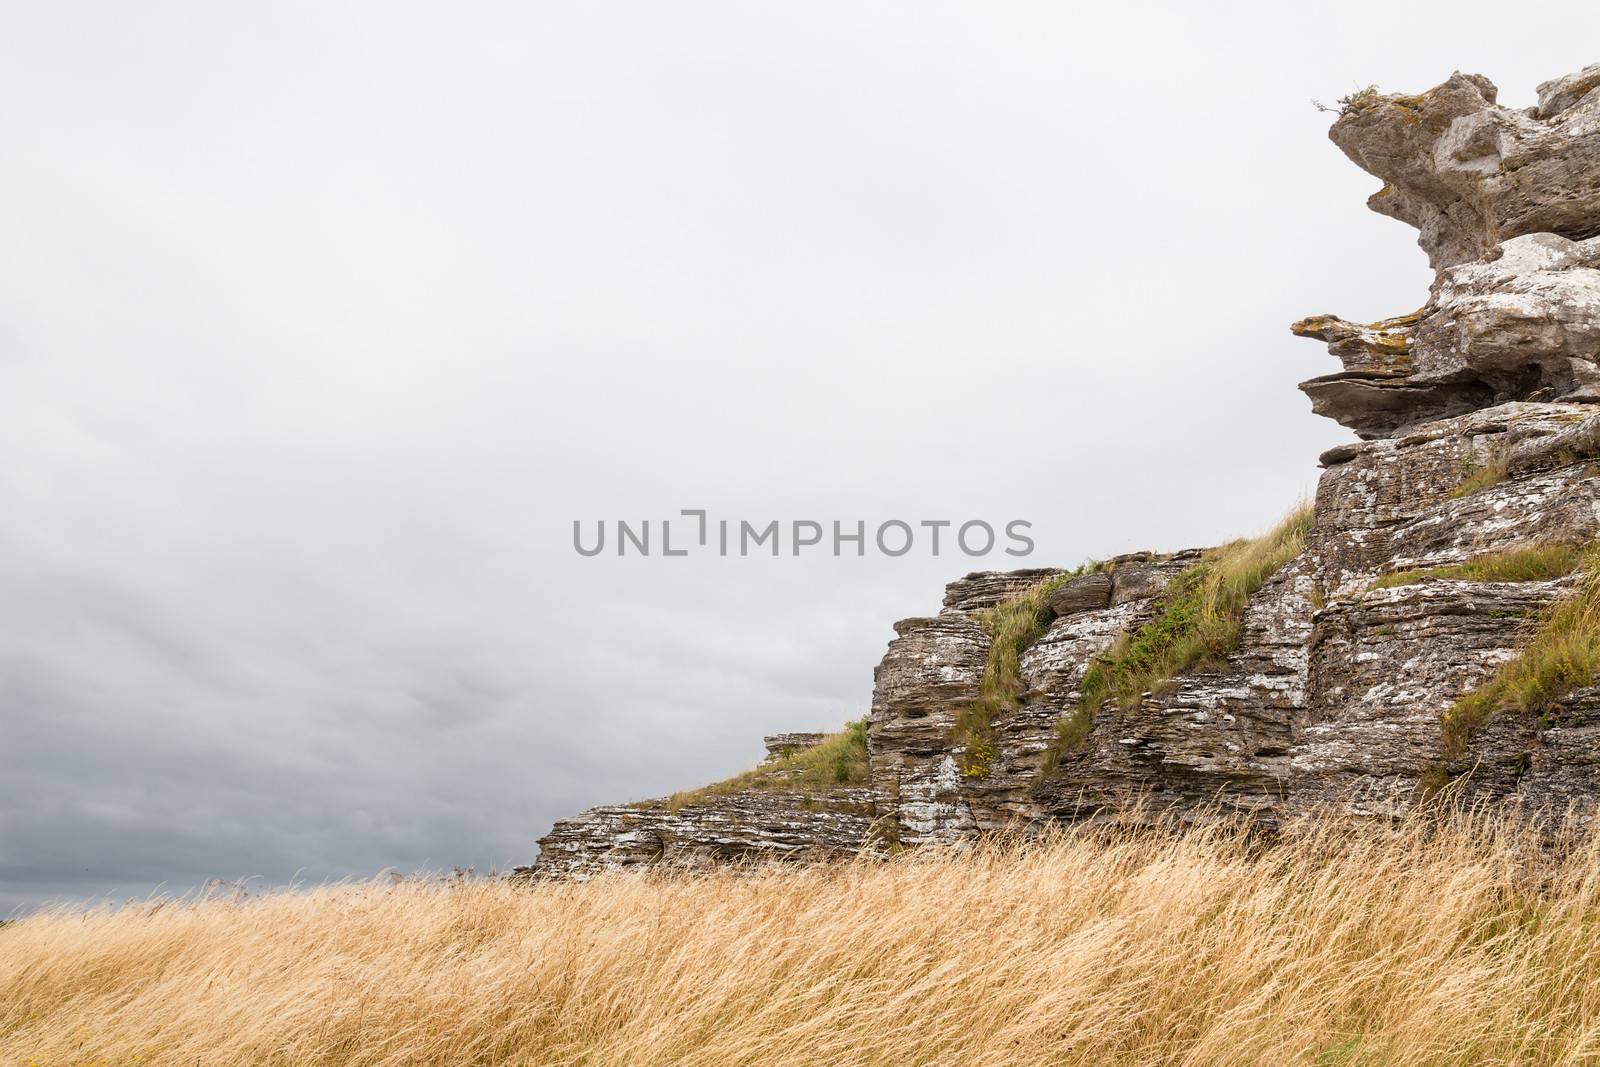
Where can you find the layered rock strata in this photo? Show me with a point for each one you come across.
(1480, 423)
(731, 828)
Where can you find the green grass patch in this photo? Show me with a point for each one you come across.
(1563, 655)
(1527, 563)
(838, 760)
(1197, 624)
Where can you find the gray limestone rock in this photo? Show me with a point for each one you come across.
(1469, 173)
(1522, 323)
(1089, 592)
(1507, 204)
(748, 826)
(780, 745)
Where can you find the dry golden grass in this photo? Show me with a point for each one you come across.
(1423, 946)
(839, 759)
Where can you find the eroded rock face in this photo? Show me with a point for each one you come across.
(1390, 504)
(1480, 415)
(1521, 323)
(1335, 695)
(1333, 699)
(935, 666)
(1385, 665)
(1531, 302)
(1469, 173)
(1507, 205)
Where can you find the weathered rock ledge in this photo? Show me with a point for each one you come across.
(724, 829)
(1480, 419)
(1506, 203)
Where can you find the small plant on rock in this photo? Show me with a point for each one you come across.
(1477, 476)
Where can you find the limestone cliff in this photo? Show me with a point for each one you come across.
(1480, 420)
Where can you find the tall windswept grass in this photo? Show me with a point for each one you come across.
(1435, 944)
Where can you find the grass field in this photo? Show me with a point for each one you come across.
(1440, 943)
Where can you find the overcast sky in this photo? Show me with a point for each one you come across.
(320, 324)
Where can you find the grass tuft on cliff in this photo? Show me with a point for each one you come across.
(1197, 625)
(839, 759)
(1527, 563)
(1013, 625)
(1426, 943)
(1476, 477)
(1563, 655)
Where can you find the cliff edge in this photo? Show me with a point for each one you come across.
(1427, 622)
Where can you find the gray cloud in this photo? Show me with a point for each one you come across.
(318, 327)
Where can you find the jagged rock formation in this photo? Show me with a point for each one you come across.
(1505, 202)
(1469, 173)
(1523, 323)
(1479, 414)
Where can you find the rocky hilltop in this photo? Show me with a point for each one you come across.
(1430, 621)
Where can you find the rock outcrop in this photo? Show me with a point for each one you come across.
(1469, 173)
(779, 745)
(1480, 420)
(732, 828)
(1506, 203)
(1522, 323)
